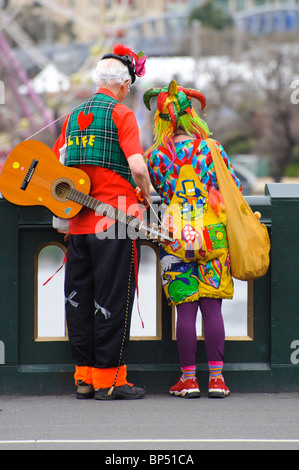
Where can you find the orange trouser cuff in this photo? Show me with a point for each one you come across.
(101, 378)
(104, 378)
(84, 374)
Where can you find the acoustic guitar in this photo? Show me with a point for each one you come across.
(33, 176)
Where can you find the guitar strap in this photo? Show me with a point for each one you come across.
(134, 261)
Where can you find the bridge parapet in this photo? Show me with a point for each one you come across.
(264, 358)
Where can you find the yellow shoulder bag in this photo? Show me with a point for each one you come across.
(248, 239)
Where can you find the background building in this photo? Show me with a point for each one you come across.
(94, 19)
(48, 50)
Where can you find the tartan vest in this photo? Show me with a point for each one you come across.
(92, 137)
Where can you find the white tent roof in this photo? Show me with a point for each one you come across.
(49, 80)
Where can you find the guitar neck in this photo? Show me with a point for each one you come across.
(136, 224)
(98, 206)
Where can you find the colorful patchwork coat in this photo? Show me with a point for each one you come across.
(197, 263)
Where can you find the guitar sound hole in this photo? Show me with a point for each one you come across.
(62, 190)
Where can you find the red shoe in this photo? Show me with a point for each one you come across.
(217, 388)
(186, 388)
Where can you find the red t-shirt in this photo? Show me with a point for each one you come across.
(106, 185)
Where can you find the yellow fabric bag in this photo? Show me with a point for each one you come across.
(248, 239)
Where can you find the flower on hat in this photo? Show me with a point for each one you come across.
(138, 60)
(140, 65)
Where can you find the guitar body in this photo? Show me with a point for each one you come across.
(33, 176)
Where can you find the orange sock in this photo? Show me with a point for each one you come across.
(104, 378)
(83, 373)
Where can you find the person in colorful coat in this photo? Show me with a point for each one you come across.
(101, 137)
(195, 268)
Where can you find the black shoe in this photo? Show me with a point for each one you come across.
(84, 391)
(124, 392)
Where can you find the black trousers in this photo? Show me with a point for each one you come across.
(99, 294)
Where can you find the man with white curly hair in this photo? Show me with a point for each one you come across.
(101, 137)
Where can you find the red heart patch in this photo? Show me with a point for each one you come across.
(84, 121)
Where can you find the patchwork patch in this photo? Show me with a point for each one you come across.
(182, 286)
(210, 273)
(218, 237)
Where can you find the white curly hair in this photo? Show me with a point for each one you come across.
(111, 72)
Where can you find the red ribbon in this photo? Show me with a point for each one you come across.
(136, 279)
(64, 261)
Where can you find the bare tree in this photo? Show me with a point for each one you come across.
(250, 95)
(275, 68)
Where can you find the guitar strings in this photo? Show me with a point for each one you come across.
(66, 187)
(156, 214)
(47, 184)
(41, 181)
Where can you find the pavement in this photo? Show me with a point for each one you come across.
(158, 423)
